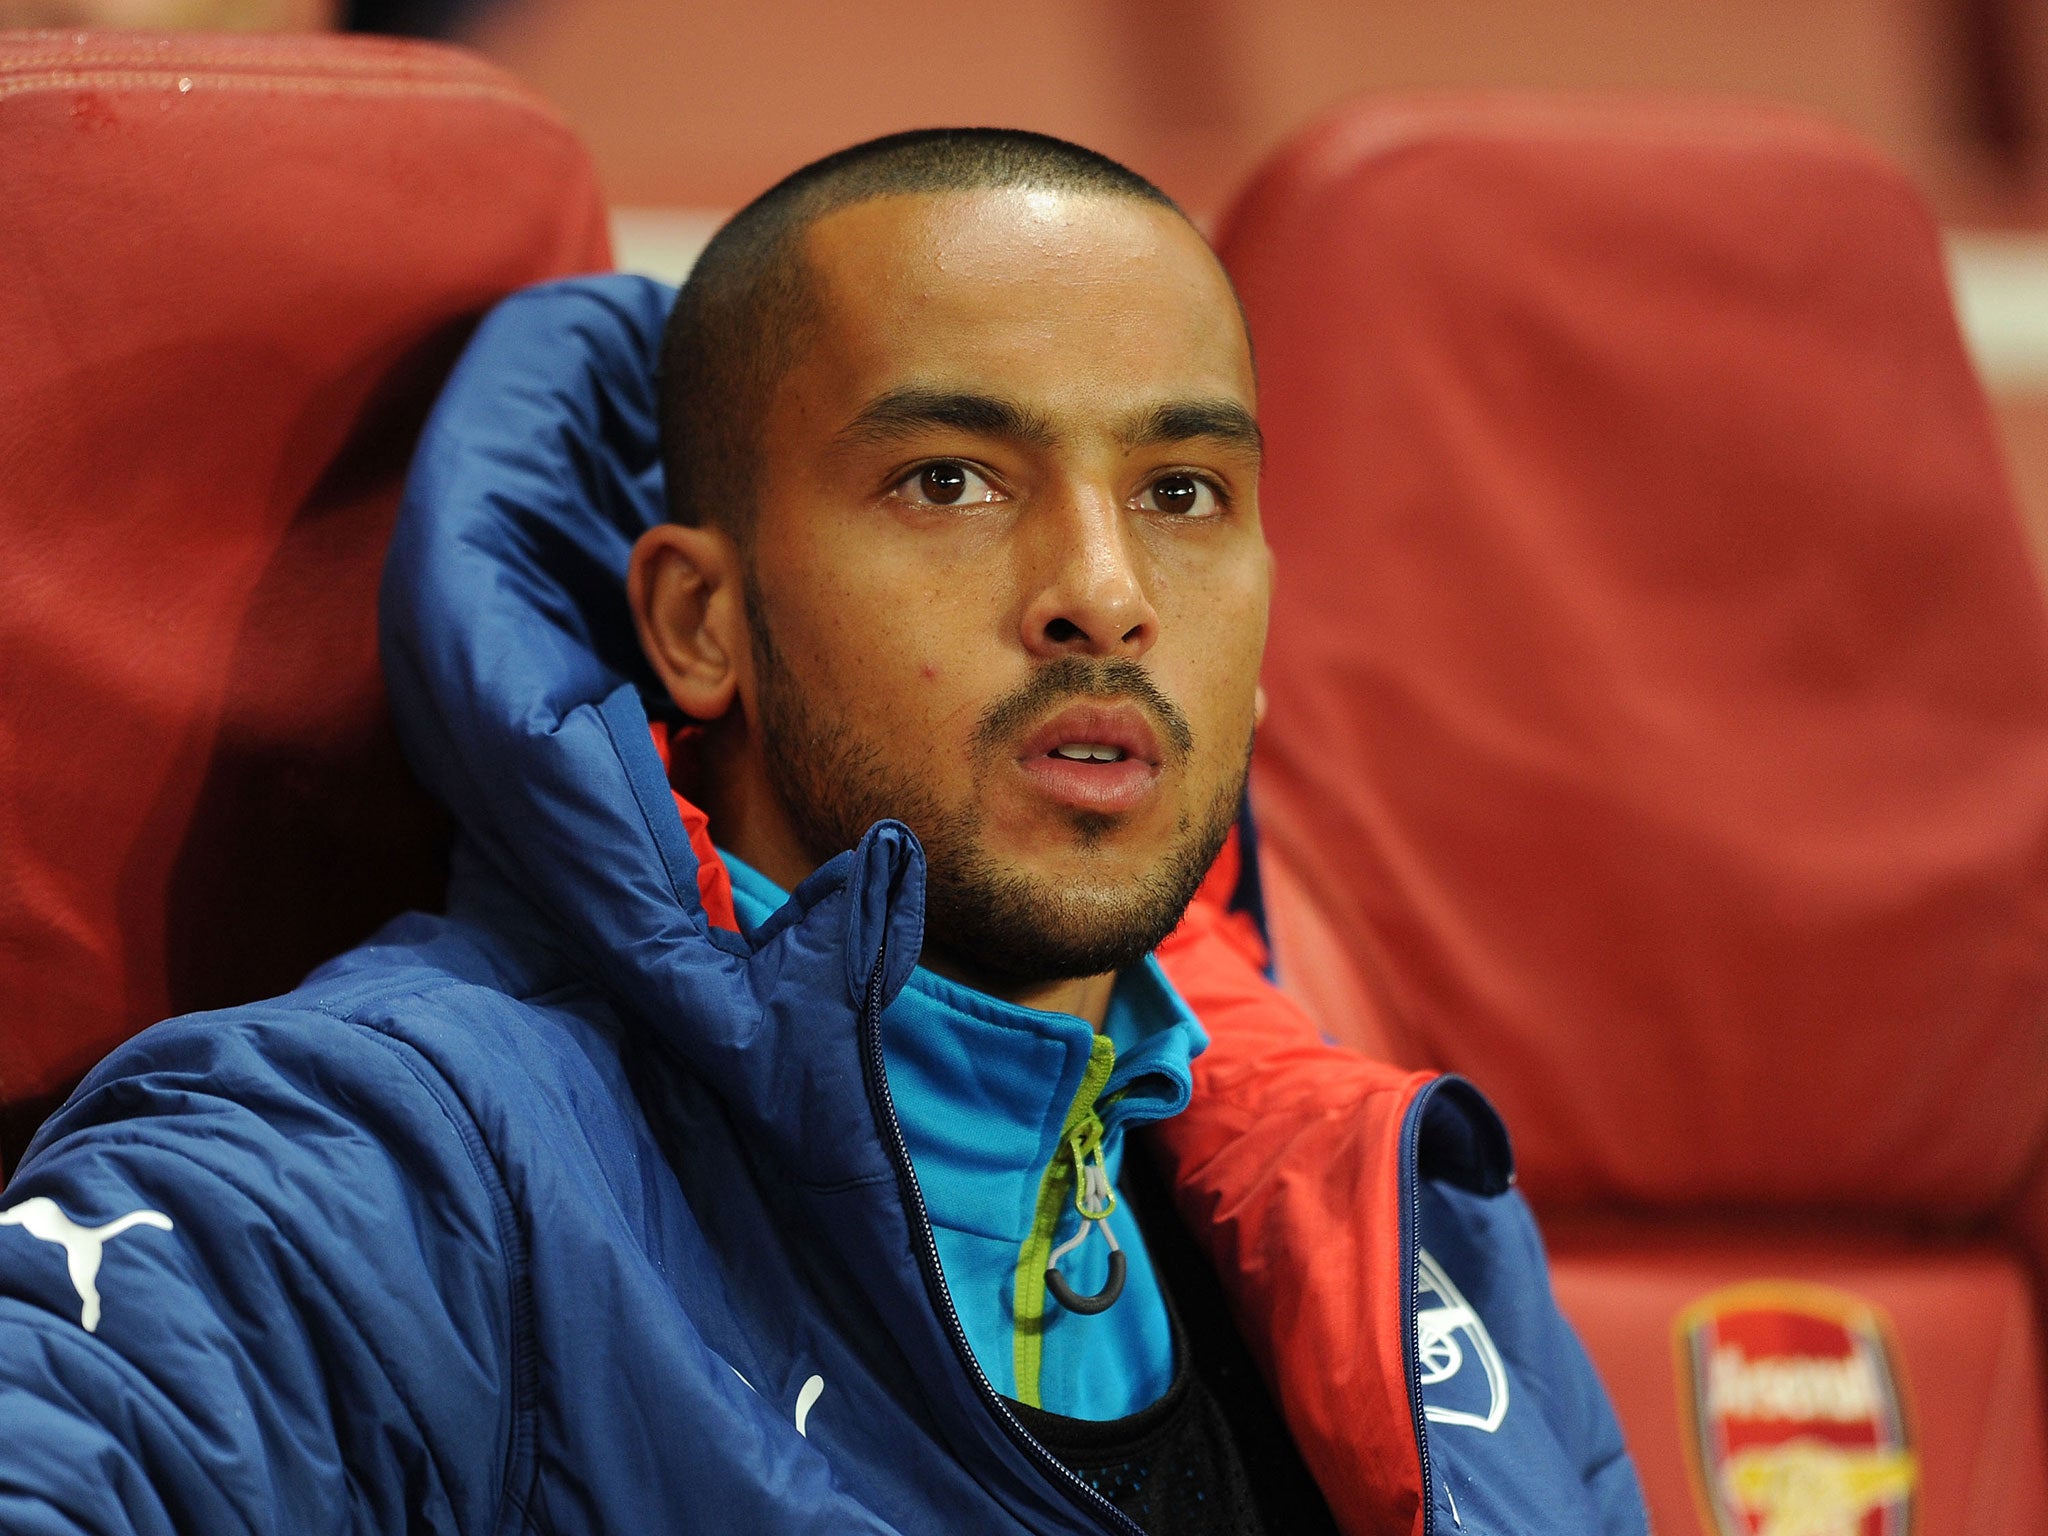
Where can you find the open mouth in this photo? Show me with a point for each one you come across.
(1089, 752)
(1100, 756)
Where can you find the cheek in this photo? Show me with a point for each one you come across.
(874, 663)
(919, 665)
(1215, 629)
(928, 699)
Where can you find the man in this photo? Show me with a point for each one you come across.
(753, 1145)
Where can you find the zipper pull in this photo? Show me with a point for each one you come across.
(1095, 1199)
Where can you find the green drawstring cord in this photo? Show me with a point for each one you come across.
(1078, 1147)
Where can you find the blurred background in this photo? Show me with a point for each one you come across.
(692, 106)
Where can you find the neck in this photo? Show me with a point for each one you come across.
(1085, 997)
(727, 781)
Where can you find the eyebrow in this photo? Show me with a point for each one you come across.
(905, 412)
(1184, 420)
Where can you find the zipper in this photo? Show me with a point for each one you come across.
(1028, 1286)
(1087, 1498)
(1411, 1248)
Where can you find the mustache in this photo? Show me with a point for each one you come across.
(1077, 677)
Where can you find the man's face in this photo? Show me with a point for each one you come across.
(1006, 580)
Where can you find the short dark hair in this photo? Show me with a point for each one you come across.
(745, 312)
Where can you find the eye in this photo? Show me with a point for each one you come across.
(944, 483)
(1182, 495)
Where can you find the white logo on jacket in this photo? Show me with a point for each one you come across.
(806, 1398)
(40, 1216)
(1448, 1336)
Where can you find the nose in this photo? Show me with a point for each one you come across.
(1091, 593)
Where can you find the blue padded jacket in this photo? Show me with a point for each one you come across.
(565, 1211)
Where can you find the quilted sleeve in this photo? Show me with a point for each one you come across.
(253, 1277)
(1522, 1437)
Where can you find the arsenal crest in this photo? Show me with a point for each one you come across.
(1462, 1378)
(1798, 1424)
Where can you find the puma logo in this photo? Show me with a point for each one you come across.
(83, 1247)
(806, 1398)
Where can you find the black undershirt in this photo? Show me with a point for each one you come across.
(1172, 1466)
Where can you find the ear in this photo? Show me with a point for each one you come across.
(687, 598)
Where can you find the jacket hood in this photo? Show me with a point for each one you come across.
(518, 689)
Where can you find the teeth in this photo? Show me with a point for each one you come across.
(1087, 752)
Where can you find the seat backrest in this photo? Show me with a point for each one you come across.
(237, 271)
(1659, 679)
(1659, 732)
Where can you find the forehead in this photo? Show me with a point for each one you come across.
(1072, 301)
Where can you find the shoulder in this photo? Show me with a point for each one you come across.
(411, 1041)
(331, 1270)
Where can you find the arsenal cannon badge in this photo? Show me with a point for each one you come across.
(1798, 1424)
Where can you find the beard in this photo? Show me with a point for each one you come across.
(834, 781)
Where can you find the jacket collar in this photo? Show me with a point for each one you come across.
(516, 685)
(983, 1090)
(983, 1086)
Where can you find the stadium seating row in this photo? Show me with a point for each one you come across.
(1659, 728)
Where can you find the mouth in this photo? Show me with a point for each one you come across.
(1102, 757)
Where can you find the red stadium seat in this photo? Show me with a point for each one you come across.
(1659, 737)
(237, 270)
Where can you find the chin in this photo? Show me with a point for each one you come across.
(1054, 919)
(1089, 865)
